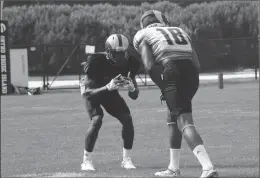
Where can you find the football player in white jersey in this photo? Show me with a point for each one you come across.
(170, 47)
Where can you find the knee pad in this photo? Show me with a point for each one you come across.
(188, 125)
(97, 121)
(186, 120)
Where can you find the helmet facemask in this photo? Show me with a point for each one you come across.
(117, 58)
(116, 54)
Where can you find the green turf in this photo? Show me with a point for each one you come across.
(44, 134)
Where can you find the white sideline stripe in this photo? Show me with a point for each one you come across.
(58, 174)
(68, 174)
(219, 146)
(161, 110)
(63, 83)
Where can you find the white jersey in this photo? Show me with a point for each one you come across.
(165, 42)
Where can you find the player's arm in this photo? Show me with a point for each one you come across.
(134, 82)
(195, 59)
(148, 61)
(88, 86)
(94, 92)
(133, 90)
(134, 67)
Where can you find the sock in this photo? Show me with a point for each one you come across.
(174, 159)
(202, 155)
(126, 153)
(87, 155)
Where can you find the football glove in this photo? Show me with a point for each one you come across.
(115, 83)
(82, 86)
(162, 98)
(130, 85)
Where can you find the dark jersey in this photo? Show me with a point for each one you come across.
(101, 71)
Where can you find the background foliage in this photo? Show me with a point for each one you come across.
(92, 24)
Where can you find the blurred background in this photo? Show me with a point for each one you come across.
(224, 33)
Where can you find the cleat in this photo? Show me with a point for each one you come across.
(168, 173)
(211, 173)
(87, 165)
(128, 164)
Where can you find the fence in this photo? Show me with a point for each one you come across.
(52, 64)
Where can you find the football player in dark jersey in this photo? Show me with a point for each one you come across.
(104, 73)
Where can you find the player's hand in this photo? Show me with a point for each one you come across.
(82, 86)
(115, 83)
(162, 98)
(129, 84)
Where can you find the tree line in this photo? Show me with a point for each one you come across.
(92, 24)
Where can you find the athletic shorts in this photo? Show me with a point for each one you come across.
(111, 101)
(181, 77)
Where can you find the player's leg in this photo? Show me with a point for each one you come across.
(171, 78)
(175, 135)
(120, 110)
(128, 139)
(189, 82)
(194, 140)
(96, 115)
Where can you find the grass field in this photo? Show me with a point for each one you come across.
(43, 135)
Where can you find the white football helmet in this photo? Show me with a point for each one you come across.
(117, 42)
(116, 48)
(153, 17)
